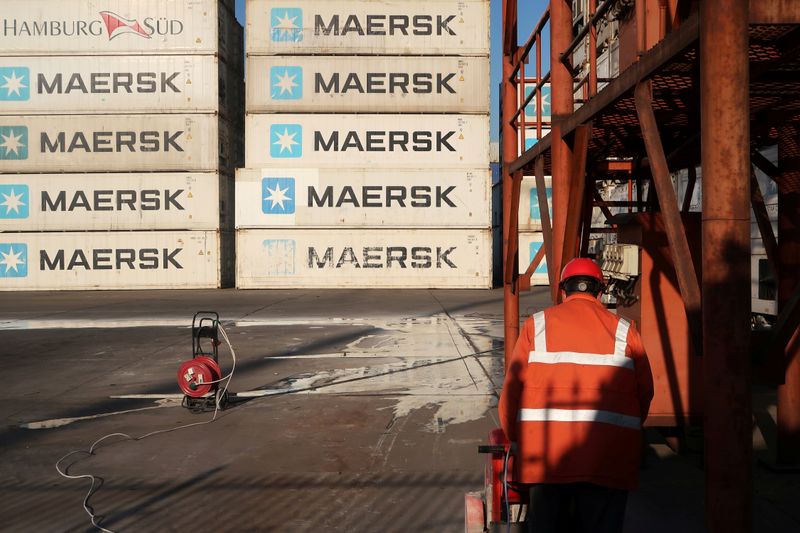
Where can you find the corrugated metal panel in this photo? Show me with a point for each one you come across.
(411, 27)
(101, 143)
(362, 197)
(375, 141)
(57, 202)
(99, 260)
(529, 244)
(424, 258)
(529, 213)
(367, 84)
(114, 27)
(96, 84)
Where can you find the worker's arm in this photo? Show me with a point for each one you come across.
(644, 376)
(512, 385)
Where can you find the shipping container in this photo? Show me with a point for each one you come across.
(83, 202)
(374, 141)
(529, 244)
(112, 143)
(530, 216)
(362, 197)
(99, 27)
(378, 258)
(109, 260)
(120, 84)
(387, 84)
(368, 27)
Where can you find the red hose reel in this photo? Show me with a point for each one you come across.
(199, 376)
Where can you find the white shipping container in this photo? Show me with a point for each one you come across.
(104, 84)
(423, 258)
(103, 143)
(374, 141)
(367, 84)
(362, 197)
(530, 215)
(408, 27)
(115, 27)
(529, 244)
(109, 260)
(147, 201)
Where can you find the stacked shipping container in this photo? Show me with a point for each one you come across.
(367, 146)
(120, 123)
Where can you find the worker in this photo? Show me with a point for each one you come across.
(576, 393)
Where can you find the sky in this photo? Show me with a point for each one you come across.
(530, 11)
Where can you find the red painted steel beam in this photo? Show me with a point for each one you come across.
(668, 202)
(561, 106)
(788, 443)
(725, 154)
(577, 194)
(509, 153)
(511, 271)
(544, 211)
(774, 12)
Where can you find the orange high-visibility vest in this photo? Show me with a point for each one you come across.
(575, 396)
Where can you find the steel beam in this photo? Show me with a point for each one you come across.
(774, 12)
(562, 107)
(725, 154)
(509, 150)
(577, 195)
(668, 202)
(788, 443)
(544, 211)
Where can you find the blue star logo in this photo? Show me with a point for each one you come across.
(530, 109)
(13, 260)
(277, 196)
(14, 201)
(286, 24)
(286, 83)
(13, 143)
(280, 257)
(15, 84)
(286, 140)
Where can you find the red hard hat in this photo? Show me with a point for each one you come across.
(582, 267)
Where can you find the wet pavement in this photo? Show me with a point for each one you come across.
(365, 414)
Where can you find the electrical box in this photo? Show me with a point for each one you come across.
(620, 261)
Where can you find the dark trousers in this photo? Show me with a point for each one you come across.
(576, 508)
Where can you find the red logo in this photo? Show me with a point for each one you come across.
(117, 26)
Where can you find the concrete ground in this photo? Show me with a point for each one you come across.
(375, 402)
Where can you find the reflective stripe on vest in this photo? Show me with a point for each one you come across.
(617, 360)
(578, 415)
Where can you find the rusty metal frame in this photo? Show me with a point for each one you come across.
(577, 187)
(682, 257)
(544, 211)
